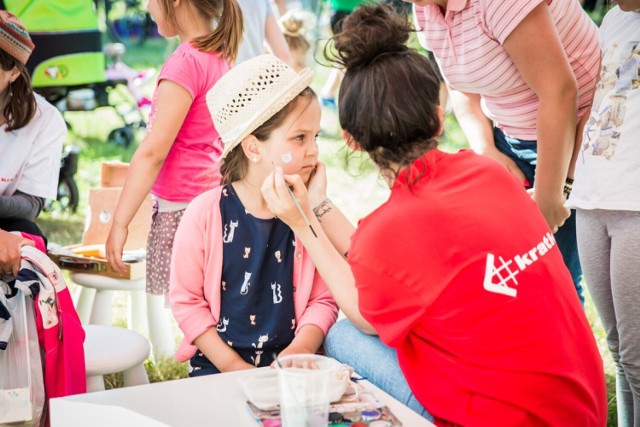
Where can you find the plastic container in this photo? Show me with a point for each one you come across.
(261, 387)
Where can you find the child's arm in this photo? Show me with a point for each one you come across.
(172, 105)
(219, 353)
(308, 340)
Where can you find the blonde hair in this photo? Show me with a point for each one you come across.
(226, 37)
(293, 28)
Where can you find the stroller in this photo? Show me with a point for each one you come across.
(68, 67)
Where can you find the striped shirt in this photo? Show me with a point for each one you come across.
(467, 41)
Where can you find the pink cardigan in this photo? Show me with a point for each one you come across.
(196, 268)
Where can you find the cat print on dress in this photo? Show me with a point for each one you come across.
(247, 251)
(261, 340)
(222, 325)
(245, 285)
(278, 256)
(252, 318)
(277, 293)
(228, 238)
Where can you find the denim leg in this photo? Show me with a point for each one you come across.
(372, 359)
(525, 154)
(568, 245)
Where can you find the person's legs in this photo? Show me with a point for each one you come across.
(594, 246)
(624, 229)
(369, 357)
(525, 154)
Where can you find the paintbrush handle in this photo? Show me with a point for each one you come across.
(304, 216)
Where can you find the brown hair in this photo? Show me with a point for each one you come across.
(226, 37)
(389, 96)
(234, 165)
(21, 103)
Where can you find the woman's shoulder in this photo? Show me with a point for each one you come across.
(47, 113)
(45, 107)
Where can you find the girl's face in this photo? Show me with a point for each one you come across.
(293, 144)
(628, 5)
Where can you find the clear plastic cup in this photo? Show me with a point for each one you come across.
(304, 389)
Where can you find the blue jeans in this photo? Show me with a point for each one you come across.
(525, 154)
(373, 360)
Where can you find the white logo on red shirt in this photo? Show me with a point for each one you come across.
(507, 270)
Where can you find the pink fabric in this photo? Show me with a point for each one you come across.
(467, 40)
(189, 168)
(60, 332)
(39, 241)
(196, 270)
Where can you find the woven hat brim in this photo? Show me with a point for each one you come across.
(281, 99)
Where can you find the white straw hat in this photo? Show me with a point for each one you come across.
(250, 94)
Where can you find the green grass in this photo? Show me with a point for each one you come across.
(356, 188)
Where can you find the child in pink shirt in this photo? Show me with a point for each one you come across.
(176, 158)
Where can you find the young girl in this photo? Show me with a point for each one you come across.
(293, 23)
(243, 288)
(31, 134)
(180, 148)
(607, 200)
(458, 271)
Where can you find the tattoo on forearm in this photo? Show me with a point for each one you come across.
(322, 209)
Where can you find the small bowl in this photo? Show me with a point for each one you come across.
(262, 388)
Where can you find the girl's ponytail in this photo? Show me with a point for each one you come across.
(226, 38)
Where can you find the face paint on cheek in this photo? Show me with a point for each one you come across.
(286, 157)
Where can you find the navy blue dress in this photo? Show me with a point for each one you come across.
(257, 315)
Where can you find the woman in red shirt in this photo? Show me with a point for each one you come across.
(458, 271)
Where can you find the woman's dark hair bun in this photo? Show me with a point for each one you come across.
(368, 32)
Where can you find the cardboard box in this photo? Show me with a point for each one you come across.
(82, 264)
(102, 206)
(114, 173)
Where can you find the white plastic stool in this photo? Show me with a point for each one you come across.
(144, 314)
(109, 349)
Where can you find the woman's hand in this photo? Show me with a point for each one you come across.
(552, 208)
(10, 245)
(275, 191)
(114, 247)
(317, 186)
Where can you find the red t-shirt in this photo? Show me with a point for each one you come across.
(461, 274)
